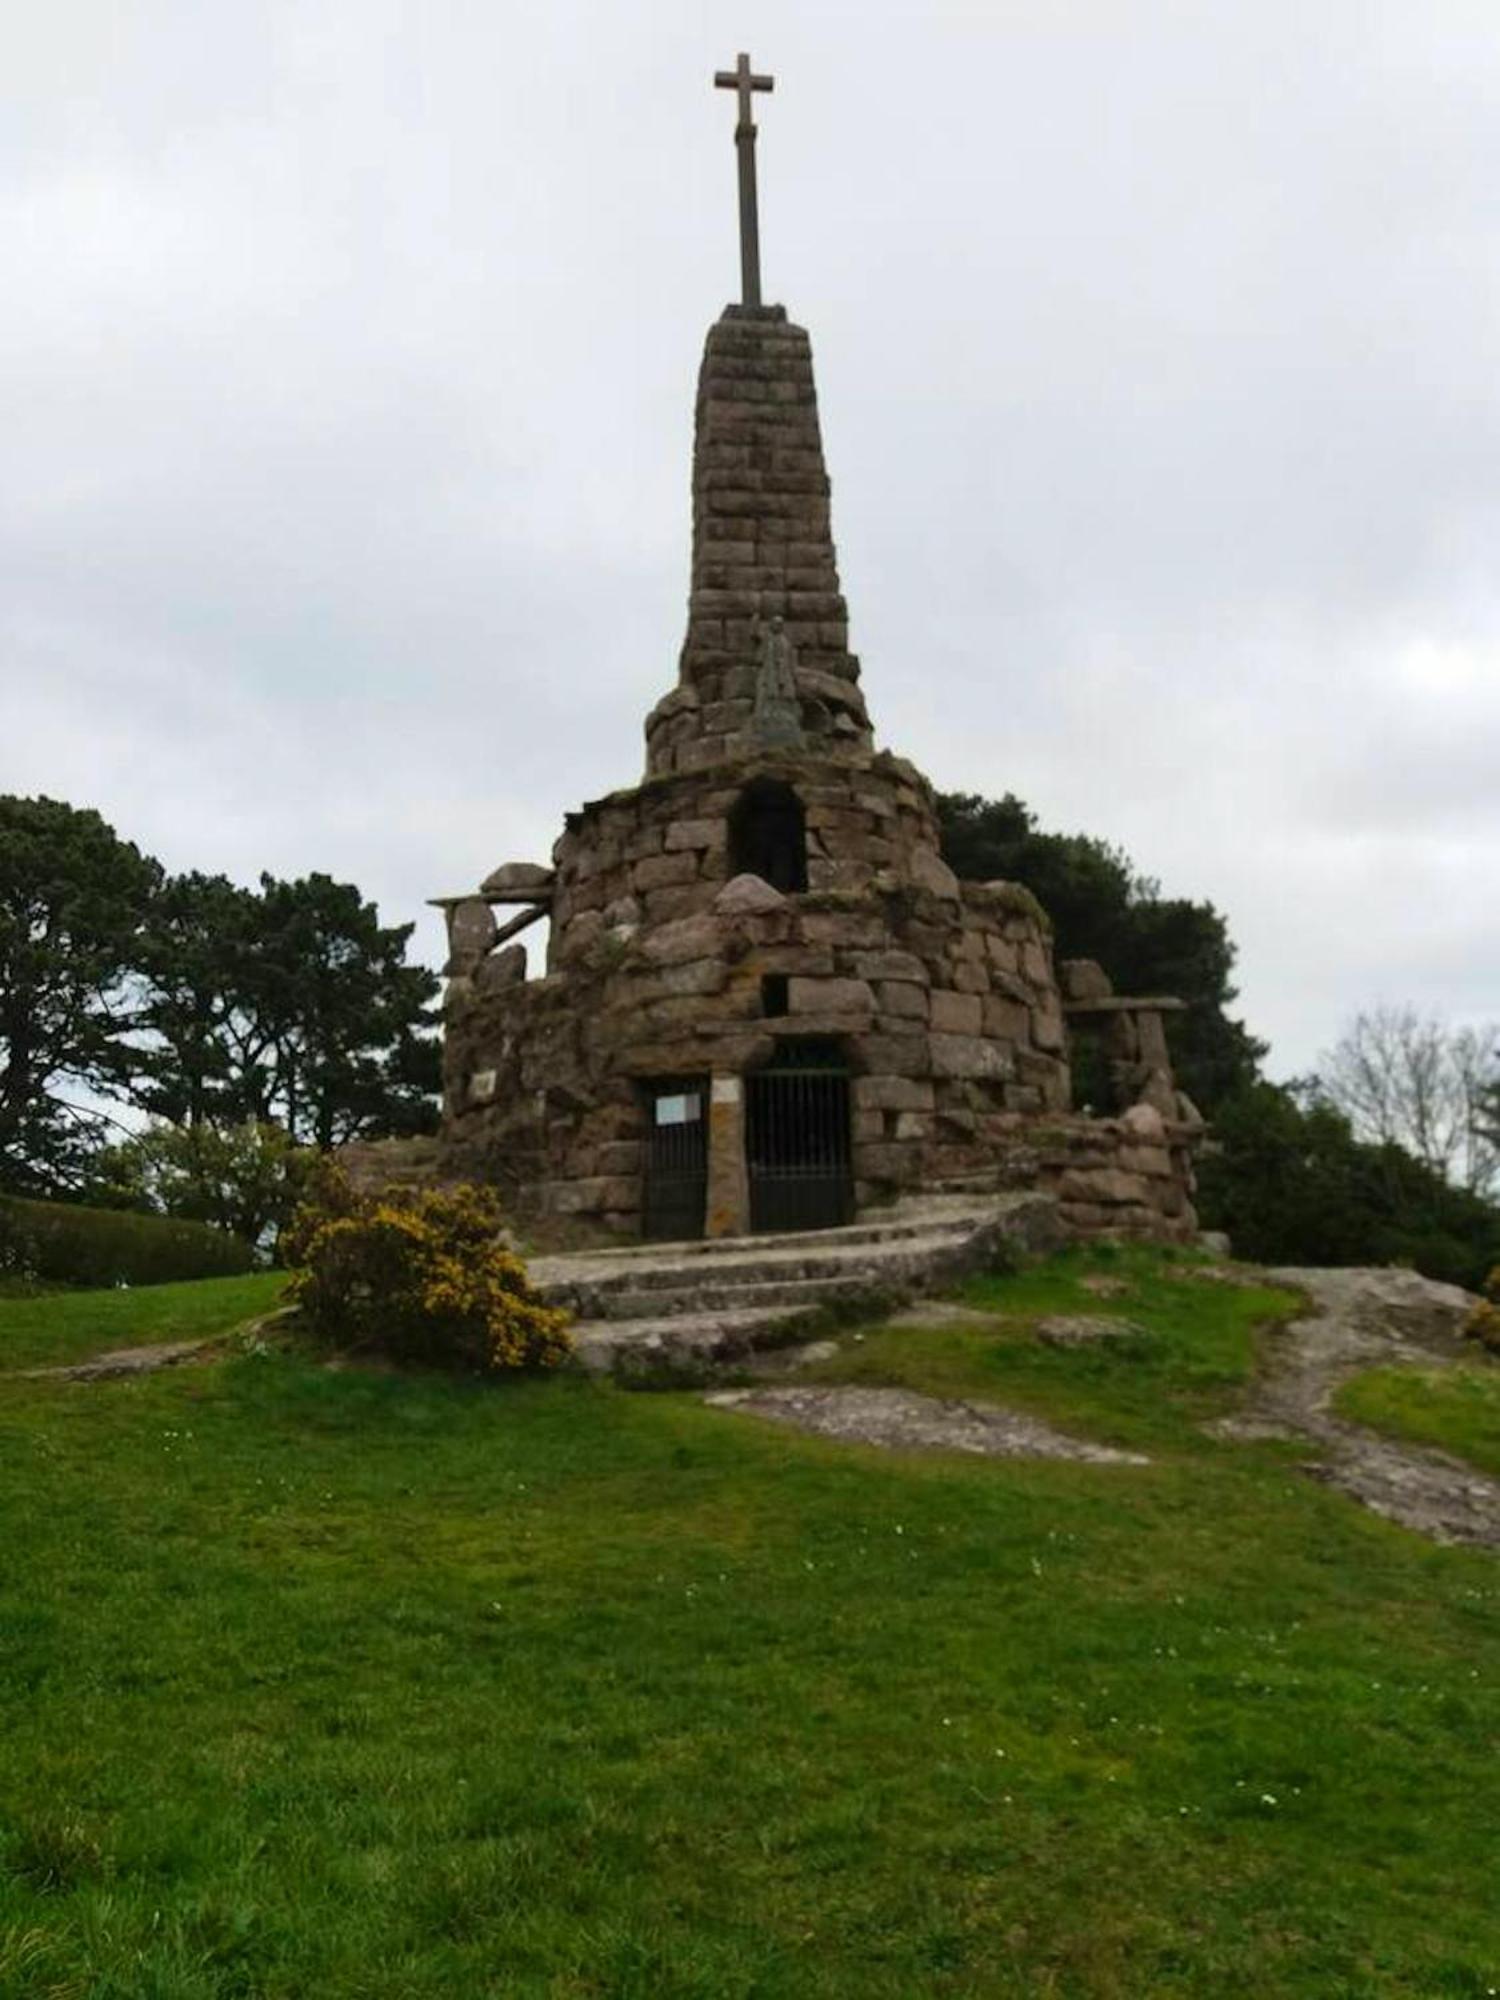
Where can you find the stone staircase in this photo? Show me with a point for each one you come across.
(664, 1307)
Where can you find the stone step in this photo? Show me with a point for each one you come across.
(933, 1216)
(687, 1342)
(590, 1290)
(815, 1289)
(761, 1278)
(649, 1310)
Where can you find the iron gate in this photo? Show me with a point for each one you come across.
(797, 1139)
(676, 1177)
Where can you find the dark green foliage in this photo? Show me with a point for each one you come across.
(1102, 909)
(17, 1248)
(64, 1244)
(1294, 1186)
(194, 1000)
(73, 905)
(290, 1004)
(245, 1178)
(197, 955)
(1482, 1325)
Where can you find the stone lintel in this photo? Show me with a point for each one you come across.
(1120, 1003)
(539, 898)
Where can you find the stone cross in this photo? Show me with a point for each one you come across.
(743, 80)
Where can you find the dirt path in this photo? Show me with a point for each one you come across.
(120, 1361)
(1370, 1319)
(901, 1420)
(1357, 1319)
(155, 1355)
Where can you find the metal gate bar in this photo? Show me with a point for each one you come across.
(676, 1177)
(797, 1140)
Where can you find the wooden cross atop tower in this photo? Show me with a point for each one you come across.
(743, 80)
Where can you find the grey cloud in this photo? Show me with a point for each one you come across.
(347, 391)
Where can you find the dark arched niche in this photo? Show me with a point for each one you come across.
(768, 836)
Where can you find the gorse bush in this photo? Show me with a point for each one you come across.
(419, 1275)
(57, 1243)
(1483, 1321)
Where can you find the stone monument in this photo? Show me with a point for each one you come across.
(768, 1003)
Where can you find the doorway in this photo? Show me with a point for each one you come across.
(676, 1171)
(797, 1138)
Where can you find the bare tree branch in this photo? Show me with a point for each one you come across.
(1405, 1079)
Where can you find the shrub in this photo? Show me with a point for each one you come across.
(17, 1248)
(243, 1177)
(419, 1275)
(1483, 1321)
(61, 1244)
(1292, 1185)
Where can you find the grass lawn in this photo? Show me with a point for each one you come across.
(1457, 1409)
(57, 1327)
(333, 1684)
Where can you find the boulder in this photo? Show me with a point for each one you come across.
(929, 871)
(1144, 1122)
(519, 878)
(1083, 979)
(1158, 1093)
(748, 895)
(971, 1056)
(471, 932)
(682, 940)
(957, 1013)
(694, 833)
(893, 1093)
(502, 968)
(830, 996)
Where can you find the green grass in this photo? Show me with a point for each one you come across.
(1457, 1408)
(58, 1327)
(1195, 1350)
(342, 1684)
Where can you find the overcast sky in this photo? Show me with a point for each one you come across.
(346, 377)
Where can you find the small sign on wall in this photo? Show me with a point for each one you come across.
(726, 1090)
(685, 1108)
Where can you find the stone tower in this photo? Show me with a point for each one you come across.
(768, 1003)
(762, 550)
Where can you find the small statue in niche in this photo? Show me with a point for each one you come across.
(777, 715)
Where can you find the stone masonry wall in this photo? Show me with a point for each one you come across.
(668, 959)
(942, 995)
(656, 853)
(762, 548)
(944, 1005)
(1130, 1176)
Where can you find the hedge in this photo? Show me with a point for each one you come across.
(61, 1244)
